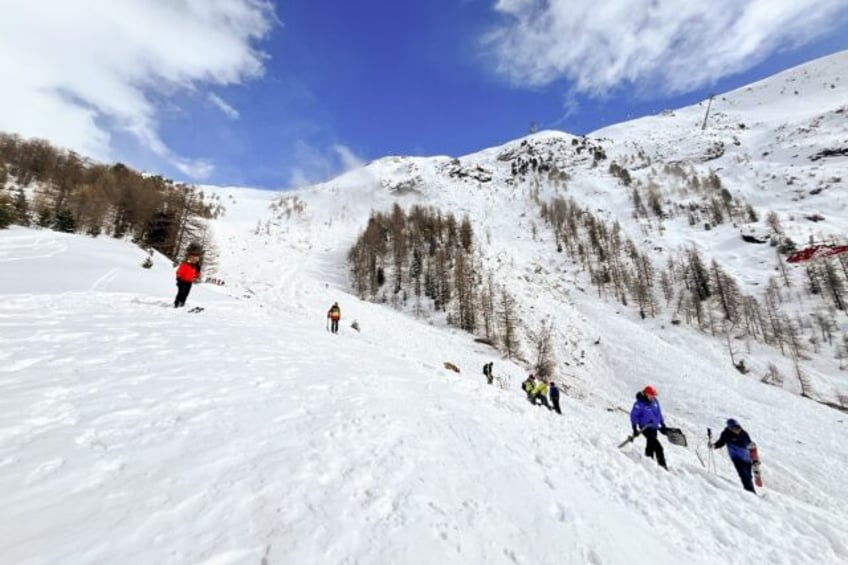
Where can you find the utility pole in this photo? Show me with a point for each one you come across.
(707, 115)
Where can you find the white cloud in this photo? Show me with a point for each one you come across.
(317, 165)
(78, 73)
(298, 178)
(672, 45)
(222, 105)
(193, 168)
(348, 159)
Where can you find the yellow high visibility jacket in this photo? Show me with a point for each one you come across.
(541, 388)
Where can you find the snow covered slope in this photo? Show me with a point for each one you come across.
(134, 433)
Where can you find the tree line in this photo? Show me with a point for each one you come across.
(425, 260)
(47, 187)
(698, 293)
(702, 294)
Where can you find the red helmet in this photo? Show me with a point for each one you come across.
(650, 391)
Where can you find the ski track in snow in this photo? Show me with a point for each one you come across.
(104, 280)
(28, 246)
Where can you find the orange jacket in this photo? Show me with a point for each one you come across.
(334, 313)
(186, 272)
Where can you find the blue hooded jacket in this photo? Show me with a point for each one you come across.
(646, 413)
(737, 444)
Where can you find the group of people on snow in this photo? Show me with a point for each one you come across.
(646, 419)
(539, 390)
(188, 273)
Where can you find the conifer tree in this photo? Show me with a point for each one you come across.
(21, 215)
(7, 211)
(64, 221)
(508, 324)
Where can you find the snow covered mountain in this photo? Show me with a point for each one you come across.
(134, 433)
(770, 165)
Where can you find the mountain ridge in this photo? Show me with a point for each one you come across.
(503, 187)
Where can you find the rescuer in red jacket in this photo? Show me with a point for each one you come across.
(187, 273)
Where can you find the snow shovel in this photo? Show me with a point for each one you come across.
(675, 436)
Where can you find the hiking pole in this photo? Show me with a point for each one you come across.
(700, 459)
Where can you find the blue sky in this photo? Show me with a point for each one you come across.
(277, 94)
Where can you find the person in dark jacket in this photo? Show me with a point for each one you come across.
(646, 418)
(487, 371)
(528, 385)
(553, 391)
(738, 444)
(334, 314)
(187, 273)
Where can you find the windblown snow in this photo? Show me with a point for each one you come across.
(131, 432)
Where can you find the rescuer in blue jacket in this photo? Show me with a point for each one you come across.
(738, 444)
(646, 418)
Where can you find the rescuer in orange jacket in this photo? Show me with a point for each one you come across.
(187, 273)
